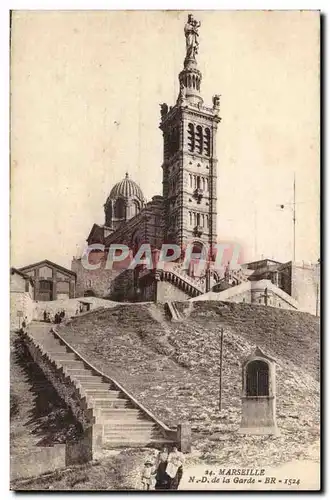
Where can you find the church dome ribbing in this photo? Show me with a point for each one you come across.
(126, 188)
(124, 202)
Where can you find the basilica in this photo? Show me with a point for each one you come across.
(186, 213)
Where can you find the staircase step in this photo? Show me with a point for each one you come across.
(102, 389)
(109, 444)
(56, 348)
(127, 428)
(130, 421)
(76, 372)
(132, 436)
(139, 424)
(111, 403)
(71, 363)
(65, 356)
(92, 384)
(119, 411)
(57, 354)
(86, 375)
(93, 381)
(65, 353)
(100, 393)
(108, 396)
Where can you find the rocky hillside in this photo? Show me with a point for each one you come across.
(173, 368)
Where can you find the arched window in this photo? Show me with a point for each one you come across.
(198, 219)
(120, 209)
(177, 138)
(207, 142)
(198, 182)
(207, 184)
(191, 137)
(199, 139)
(174, 139)
(203, 220)
(190, 218)
(190, 180)
(203, 183)
(135, 208)
(257, 379)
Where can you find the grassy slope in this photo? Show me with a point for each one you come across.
(173, 368)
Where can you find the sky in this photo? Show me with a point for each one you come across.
(85, 93)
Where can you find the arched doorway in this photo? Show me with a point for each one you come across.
(198, 259)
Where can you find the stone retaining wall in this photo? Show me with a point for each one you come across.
(37, 462)
(63, 385)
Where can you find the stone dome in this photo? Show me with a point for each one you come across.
(126, 188)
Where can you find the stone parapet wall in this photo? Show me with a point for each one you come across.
(62, 383)
(70, 306)
(20, 302)
(37, 462)
(166, 292)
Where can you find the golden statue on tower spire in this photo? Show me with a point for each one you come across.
(191, 34)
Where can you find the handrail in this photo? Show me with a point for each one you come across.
(184, 278)
(117, 384)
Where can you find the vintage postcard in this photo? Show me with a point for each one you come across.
(165, 250)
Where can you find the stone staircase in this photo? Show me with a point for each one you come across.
(173, 311)
(122, 420)
(234, 277)
(181, 281)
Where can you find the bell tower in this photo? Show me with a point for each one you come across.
(189, 159)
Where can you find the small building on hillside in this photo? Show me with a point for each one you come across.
(21, 298)
(51, 281)
(262, 292)
(300, 280)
